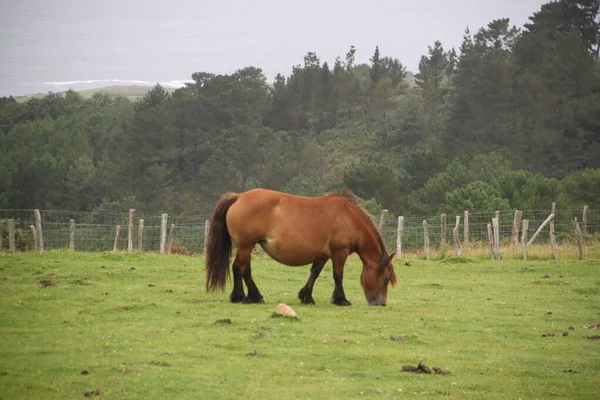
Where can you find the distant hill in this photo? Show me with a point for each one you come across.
(133, 92)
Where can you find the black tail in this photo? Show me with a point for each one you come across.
(218, 250)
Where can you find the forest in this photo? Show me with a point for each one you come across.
(509, 120)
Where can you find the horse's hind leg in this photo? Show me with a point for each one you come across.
(254, 295)
(242, 270)
(305, 294)
(237, 294)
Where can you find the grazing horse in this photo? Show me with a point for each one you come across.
(296, 230)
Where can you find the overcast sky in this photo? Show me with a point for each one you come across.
(68, 40)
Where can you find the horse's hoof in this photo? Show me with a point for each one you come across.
(341, 302)
(307, 300)
(248, 300)
(236, 298)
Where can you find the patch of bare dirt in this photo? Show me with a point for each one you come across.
(423, 369)
(160, 363)
(595, 325)
(254, 353)
(93, 393)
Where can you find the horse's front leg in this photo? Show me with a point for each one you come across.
(305, 294)
(339, 261)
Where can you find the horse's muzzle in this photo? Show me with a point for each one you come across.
(377, 302)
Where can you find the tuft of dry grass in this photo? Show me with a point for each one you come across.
(535, 251)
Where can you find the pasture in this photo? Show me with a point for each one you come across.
(127, 326)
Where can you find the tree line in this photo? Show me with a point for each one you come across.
(510, 119)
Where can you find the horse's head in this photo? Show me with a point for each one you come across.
(375, 280)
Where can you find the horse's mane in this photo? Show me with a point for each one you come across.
(354, 200)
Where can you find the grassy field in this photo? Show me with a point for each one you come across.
(127, 326)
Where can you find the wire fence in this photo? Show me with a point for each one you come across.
(565, 234)
(96, 231)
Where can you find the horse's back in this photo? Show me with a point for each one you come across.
(294, 230)
(263, 209)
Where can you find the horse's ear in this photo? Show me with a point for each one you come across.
(391, 257)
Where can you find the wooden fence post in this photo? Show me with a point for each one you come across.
(170, 239)
(442, 230)
(496, 229)
(140, 234)
(455, 234)
(1, 233)
(72, 235)
(11, 235)
(579, 238)
(206, 233)
(117, 235)
(130, 230)
(552, 234)
(515, 228)
(382, 218)
(163, 232)
(38, 228)
(425, 239)
(466, 228)
(490, 240)
(550, 217)
(524, 227)
(34, 234)
(584, 220)
(399, 237)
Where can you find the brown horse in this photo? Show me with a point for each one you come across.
(296, 230)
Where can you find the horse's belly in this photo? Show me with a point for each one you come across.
(292, 254)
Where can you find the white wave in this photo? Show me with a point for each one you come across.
(174, 84)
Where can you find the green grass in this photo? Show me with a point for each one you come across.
(480, 319)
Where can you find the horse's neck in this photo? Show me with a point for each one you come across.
(366, 241)
(369, 249)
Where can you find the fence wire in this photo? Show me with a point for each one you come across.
(96, 231)
(413, 233)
